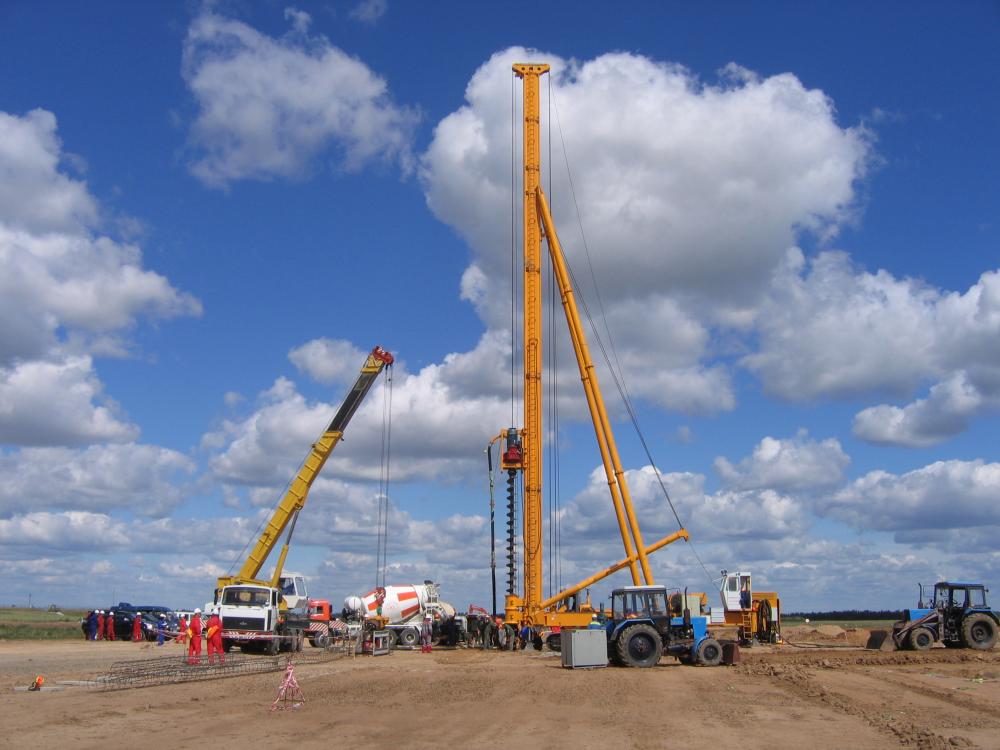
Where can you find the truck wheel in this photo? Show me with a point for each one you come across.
(320, 641)
(920, 639)
(409, 637)
(979, 631)
(639, 646)
(709, 653)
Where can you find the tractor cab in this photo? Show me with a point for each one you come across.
(641, 603)
(959, 596)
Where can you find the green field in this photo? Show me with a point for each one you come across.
(17, 623)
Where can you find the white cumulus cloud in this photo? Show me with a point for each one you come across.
(793, 465)
(943, 495)
(268, 106)
(145, 480)
(67, 294)
(689, 193)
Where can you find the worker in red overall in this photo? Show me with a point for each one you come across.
(213, 635)
(137, 626)
(182, 626)
(100, 624)
(109, 626)
(194, 633)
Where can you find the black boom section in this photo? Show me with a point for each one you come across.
(352, 402)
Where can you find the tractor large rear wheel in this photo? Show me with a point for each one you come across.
(920, 639)
(639, 646)
(979, 631)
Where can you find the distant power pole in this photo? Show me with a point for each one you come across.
(29, 601)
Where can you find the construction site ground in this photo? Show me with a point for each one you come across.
(826, 692)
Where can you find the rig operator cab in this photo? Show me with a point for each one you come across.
(643, 627)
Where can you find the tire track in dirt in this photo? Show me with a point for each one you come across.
(959, 700)
(907, 730)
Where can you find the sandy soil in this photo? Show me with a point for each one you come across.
(813, 696)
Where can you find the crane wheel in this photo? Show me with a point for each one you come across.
(639, 646)
(979, 631)
(920, 639)
(709, 653)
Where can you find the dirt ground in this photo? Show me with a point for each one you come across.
(813, 695)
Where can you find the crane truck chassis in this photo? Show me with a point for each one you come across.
(273, 614)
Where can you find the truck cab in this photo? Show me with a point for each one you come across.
(252, 615)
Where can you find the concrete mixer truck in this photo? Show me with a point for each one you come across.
(403, 608)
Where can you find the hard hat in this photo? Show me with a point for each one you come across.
(197, 611)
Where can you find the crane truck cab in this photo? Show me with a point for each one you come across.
(642, 628)
(253, 617)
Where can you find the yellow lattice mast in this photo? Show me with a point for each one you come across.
(531, 607)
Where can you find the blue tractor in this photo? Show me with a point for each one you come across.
(957, 616)
(642, 628)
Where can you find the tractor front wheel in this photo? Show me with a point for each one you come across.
(921, 639)
(709, 653)
(979, 631)
(639, 646)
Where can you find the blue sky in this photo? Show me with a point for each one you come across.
(209, 212)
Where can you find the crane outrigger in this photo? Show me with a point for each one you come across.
(523, 448)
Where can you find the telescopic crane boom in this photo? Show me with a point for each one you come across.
(287, 512)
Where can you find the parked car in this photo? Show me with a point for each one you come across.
(125, 614)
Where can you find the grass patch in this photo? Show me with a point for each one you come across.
(22, 624)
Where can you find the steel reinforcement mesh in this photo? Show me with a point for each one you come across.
(173, 669)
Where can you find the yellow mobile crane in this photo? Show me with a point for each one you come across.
(523, 448)
(254, 610)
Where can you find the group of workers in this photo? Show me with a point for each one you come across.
(490, 632)
(99, 625)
